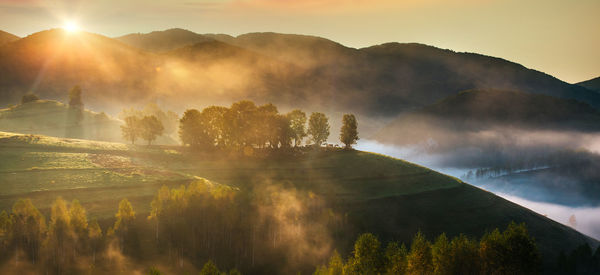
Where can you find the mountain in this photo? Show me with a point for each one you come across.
(6, 38)
(484, 108)
(481, 110)
(592, 84)
(49, 63)
(293, 71)
(163, 41)
(495, 128)
(394, 77)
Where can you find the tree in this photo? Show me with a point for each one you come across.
(151, 128)
(419, 258)
(158, 205)
(28, 227)
(192, 129)
(349, 132)
(210, 268)
(297, 120)
(366, 256)
(131, 131)
(29, 98)
(441, 256)
(95, 237)
(510, 252)
(395, 257)
(79, 223)
(60, 241)
(318, 128)
(240, 124)
(464, 256)
(521, 254)
(124, 224)
(75, 100)
(213, 118)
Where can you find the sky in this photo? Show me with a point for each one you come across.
(560, 38)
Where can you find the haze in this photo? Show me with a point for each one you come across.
(556, 37)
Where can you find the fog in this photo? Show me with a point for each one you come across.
(587, 218)
(553, 201)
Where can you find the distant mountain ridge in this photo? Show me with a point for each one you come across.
(493, 107)
(465, 118)
(293, 71)
(6, 38)
(592, 84)
(163, 41)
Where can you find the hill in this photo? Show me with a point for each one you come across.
(294, 71)
(457, 119)
(52, 118)
(56, 119)
(374, 193)
(401, 76)
(50, 63)
(486, 108)
(6, 38)
(163, 41)
(592, 84)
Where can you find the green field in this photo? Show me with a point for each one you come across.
(389, 197)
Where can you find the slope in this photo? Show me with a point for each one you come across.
(394, 77)
(48, 117)
(6, 38)
(374, 193)
(49, 63)
(452, 119)
(294, 71)
(163, 41)
(592, 84)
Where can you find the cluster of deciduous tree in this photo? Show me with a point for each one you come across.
(246, 125)
(510, 252)
(168, 119)
(55, 246)
(147, 128)
(256, 231)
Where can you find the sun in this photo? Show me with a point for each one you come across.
(71, 26)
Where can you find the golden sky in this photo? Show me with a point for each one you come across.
(561, 38)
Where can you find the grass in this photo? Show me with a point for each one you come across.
(375, 193)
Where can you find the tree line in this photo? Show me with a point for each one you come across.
(241, 126)
(512, 251)
(244, 124)
(210, 225)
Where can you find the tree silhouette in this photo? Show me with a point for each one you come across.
(349, 132)
(297, 120)
(151, 128)
(75, 99)
(132, 129)
(318, 128)
(366, 258)
(419, 258)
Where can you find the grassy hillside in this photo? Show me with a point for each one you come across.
(592, 84)
(374, 193)
(53, 118)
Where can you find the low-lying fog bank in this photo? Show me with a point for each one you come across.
(548, 198)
